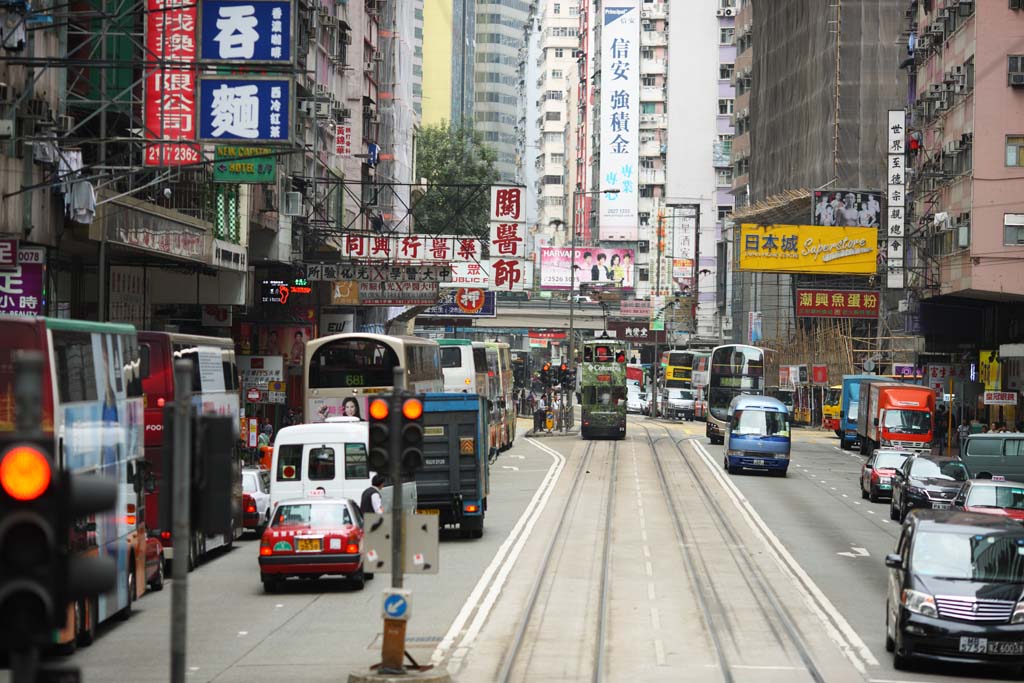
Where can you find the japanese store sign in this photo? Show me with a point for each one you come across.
(896, 190)
(169, 99)
(253, 109)
(831, 303)
(244, 165)
(593, 265)
(1000, 398)
(246, 31)
(808, 249)
(464, 302)
(23, 288)
(620, 119)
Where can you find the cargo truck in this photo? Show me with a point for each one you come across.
(893, 415)
(849, 408)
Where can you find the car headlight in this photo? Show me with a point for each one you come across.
(916, 491)
(734, 454)
(1018, 614)
(919, 603)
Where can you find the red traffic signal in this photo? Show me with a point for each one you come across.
(379, 409)
(25, 472)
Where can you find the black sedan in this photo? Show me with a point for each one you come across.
(926, 482)
(954, 592)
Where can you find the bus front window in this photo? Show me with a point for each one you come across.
(760, 423)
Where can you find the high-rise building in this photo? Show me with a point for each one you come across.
(499, 39)
(448, 61)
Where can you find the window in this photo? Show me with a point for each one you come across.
(556, 73)
(725, 35)
(557, 8)
(1015, 150)
(646, 162)
(355, 461)
(647, 53)
(724, 177)
(559, 52)
(75, 369)
(723, 212)
(725, 106)
(644, 274)
(725, 71)
(648, 108)
(289, 462)
(321, 463)
(649, 81)
(1013, 229)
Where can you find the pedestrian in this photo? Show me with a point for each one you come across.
(941, 426)
(962, 432)
(984, 429)
(556, 406)
(540, 413)
(267, 428)
(371, 500)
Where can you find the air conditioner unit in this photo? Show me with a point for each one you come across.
(341, 113)
(728, 12)
(923, 43)
(966, 139)
(369, 67)
(1015, 79)
(948, 86)
(952, 147)
(942, 104)
(65, 123)
(965, 7)
(644, 14)
(306, 107)
(323, 110)
(328, 21)
(321, 90)
(957, 70)
(935, 88)
(5, 93)
(960, 88)
(720, 13)
(292, 203)
(937, 27)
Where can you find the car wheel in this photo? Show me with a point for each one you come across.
(779, 473)
(270, 584)
(844, 444)
(158, 582)
(734, 470)
(358, 580)
(873, 495)
(890, 644)
(863, 493)
(130, 587)
(894, 515)
(725, 463)
(903, 513)
(368, 576)
(90, 620)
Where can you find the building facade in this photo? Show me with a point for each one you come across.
(448, 61)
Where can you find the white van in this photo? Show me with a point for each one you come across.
(320, 459)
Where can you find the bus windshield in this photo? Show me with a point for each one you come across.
(753, 422)
(352, 363)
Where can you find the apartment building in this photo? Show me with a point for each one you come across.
(448, 55)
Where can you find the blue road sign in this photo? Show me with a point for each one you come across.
(396, 606)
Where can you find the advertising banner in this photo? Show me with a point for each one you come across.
(755, 332)
(476, 275)
(847, 207)
(808, 249)
(258, 371)
(508, 240)
(465, 302)
(252, 31)
(412, 248)
(634, 308)
(169, 94)
(128, 295)
(594, 265)
(401, 293)
(990, 370)
(285, 341)
(343, 140)
(819, 374)
(23, 288)
(620, 119)
(1000, 398)
(337, 323)
(896, 191)
(830, 303)
(248, 165)
(636, 332)
(255, 109)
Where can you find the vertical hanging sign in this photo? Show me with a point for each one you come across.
(169, 99)
(508, 239)
(896, 184)
(620, 120)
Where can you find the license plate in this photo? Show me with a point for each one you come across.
(885, 487)
(973, 645)
(758, 461)
(940, 506)
(1002, 647)
(431, 511)
(309, 545)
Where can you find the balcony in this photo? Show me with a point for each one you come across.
(652, 93)
(653, 121)
(652, 176)
(653, 39)
(653, 66)
(652, 148)
(655, 11)
(722, 154)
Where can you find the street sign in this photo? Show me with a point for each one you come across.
(396, 604)
(234, 164)
(253, 395)
(422, 550)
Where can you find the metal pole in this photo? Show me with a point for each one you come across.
(181, 534)
(656, 364)
(696, 267)
(567, 395)
(396, 482)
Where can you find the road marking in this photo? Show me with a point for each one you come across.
(643, 535)
(647, 551)
(856, 552)
(871, 512)
(655, 619)
(767, 667)
(836, 625)
(650, 591)
(503, 560)
(242, 633)
(833, 488)
(885, 521)
(278, 606)
(510, 467)
(845, 496)
(659, 652)
(649, 569)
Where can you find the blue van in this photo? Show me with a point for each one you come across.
(757, 436)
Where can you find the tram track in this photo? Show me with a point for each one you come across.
(545, 574)
(715, 609)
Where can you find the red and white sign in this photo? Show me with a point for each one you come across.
(937, 377)
(1000, 398)
(343, 140)
(475, 275)
(508, 240)
(508, 275)
(635, 308)
(169, 100)
(819, 374)
(253, 396)
(508, 204)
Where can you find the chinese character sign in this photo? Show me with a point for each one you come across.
(620, 119)
(896, 189)
(808, 249)
(508, 204)
(830, 303)
(465, 302)
(246, 30)
(508, 275)
(508, 239)
(593, 266)
(255, 110)
(8, 252)
(22, 288)
(343, 140)
(169, 100)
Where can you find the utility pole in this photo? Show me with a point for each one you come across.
(656, 364)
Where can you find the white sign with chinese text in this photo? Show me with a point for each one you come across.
(896, 192)
(1000, 398)
(508, 204)
(508, 240)
(508, 275)
(470, 274)
(620, 119)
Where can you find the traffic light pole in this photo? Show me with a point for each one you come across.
(180, 493)
(392, 654)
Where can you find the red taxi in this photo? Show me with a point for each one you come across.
(312, 538)
(993, 497)
(877, 473)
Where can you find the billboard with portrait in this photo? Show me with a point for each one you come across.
(846, 207)
(284, 340)
(597, 266)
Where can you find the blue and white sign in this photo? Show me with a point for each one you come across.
(244, 109)
(246, 31)
(620, 119)
(396, 604)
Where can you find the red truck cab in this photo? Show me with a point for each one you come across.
(894, 415)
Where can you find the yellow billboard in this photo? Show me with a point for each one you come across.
(808, 249)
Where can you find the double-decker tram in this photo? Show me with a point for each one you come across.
(602, 382)
(735, 369)
(342, 371)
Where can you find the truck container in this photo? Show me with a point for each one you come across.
(455, 478)
(849, 409)
(894, 415)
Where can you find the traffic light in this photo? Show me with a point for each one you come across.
(411, 434)
(379, 456)
(563, 374)
(545, 375)
(38, 506)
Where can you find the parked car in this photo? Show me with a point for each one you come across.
(927, 482)
(312, 538)
(995, 455)
(255, 499)
(1004, 498)
(955, 584)
(877, 473)
(677, 404)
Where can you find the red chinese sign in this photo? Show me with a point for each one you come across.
(508, 204)
(831, 303)
(508, 239)
(169, 102)
(343, 140)
(508, 274)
